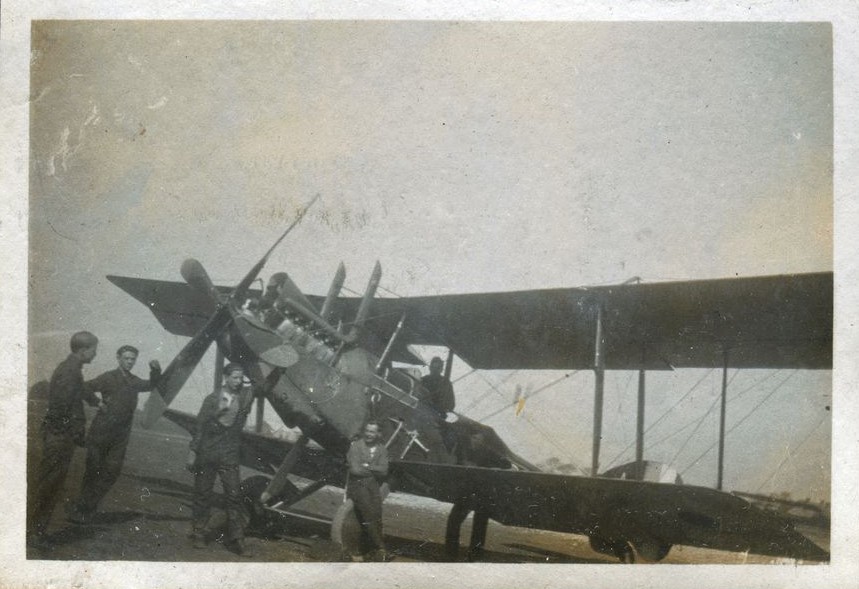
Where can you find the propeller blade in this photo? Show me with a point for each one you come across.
(183, 365)
(244, 285)
(180, 369)
(195, 275)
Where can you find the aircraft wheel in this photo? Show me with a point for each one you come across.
(619, 549)
(626, 551)
(345, 529)
(644, 551)
(257, 519)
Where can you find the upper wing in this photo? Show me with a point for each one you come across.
(183, 310)
(610, 509)
(178, 307)
(762, 322)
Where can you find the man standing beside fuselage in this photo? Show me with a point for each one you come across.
(368, 466)
(215, 450)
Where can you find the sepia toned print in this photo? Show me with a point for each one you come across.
(615, 237)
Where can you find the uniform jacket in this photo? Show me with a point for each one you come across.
(215, 442)
(439, 392)
(359, 454)
(66, 392)
(119, 390)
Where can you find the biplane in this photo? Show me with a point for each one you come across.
(328, 364)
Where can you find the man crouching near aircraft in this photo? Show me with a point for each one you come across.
(110, 430)
(215, 452)
(368, 467)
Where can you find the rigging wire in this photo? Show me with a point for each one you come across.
(621, 396)
(495, 387)
(739, 423)
(565, 451)
(754, 385)
(661, 417)
(541, 389)
(459, 378)
(792, 454)
(538, 428)
(489, 390)
(716, 399)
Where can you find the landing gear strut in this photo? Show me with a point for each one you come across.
(629, 552)
(259, 520)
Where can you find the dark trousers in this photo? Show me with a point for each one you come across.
(367, 500)
(104, 460)
(57, 452)
(204, 483)
(458, 513)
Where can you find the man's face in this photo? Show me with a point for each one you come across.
(234, 380)
(371, 433)
(89, 353)
(435, 366)
(126, 360)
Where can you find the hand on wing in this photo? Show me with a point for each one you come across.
(154, 365)
(192, 459)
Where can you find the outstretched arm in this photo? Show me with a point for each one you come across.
(91, 387)
(143, 386)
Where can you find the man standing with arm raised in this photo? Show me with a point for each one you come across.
(110, 430)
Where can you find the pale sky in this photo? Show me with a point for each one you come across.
(465, 157)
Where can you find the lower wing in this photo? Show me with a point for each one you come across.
(610, 510)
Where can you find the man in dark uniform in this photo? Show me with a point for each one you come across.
(111, 428)
(368, 466)
(215, 453)
(438, 389)
(438, 392)
(63, 428)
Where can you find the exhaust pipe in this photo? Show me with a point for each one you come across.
(333, 292)
(367, 300)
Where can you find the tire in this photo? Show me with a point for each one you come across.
(648, 551)
(257, 519)
(345, 529)
(629, 552)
